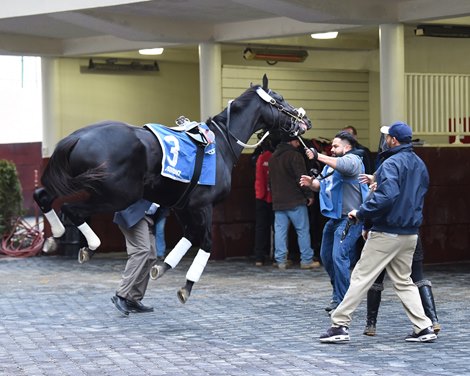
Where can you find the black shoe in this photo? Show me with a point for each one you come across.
(425, 335)
(335, 334)
(138, 307)
(120, 304)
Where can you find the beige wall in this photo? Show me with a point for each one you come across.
(133, 98)
(331, 98)
(88, 98)
(437, 55)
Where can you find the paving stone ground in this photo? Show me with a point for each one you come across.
(56, 318)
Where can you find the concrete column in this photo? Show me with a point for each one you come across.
(210, 78)
(392, 73)
(51, 133)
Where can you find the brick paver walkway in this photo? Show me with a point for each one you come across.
(57, 319)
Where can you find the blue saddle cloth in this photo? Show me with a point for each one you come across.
(179, 155)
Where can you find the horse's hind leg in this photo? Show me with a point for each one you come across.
(172, 259)
(44, 201)
(93, 242)
(193, 275)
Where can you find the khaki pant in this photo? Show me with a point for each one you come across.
(140, 246)
(391, 252)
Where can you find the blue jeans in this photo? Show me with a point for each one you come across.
(335, 255)
(298, 216)
(160, 243)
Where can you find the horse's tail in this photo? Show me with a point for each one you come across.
(58, 177)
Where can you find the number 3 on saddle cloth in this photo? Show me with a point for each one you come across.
(180, 150)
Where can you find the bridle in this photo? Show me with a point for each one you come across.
(296, 116)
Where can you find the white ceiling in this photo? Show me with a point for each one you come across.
(87, 27)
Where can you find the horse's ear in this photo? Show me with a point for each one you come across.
(265, 83)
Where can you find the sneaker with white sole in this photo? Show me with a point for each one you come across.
(335, 334)
(425, 335)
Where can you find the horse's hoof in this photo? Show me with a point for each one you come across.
(50, 245)
(183, 295)
(84, 255)
(156, 271)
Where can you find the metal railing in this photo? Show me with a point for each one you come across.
(438, 104)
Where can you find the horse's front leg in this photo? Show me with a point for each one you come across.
(202, 225)
(44, 200)
(193, 275)
(172, 259)
(93, 242)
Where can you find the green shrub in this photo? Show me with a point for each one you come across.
(11, 196)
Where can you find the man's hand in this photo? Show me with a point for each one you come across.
(353, 215)
(311, 154)
(306, 181)
(365, 234)
(366, 179)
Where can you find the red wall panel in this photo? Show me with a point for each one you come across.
(445, 231)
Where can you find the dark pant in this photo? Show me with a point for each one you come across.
(264, 224)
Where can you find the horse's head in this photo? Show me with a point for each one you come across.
(280, 114)
(260, 108)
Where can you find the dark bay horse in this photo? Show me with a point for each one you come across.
(112, 165)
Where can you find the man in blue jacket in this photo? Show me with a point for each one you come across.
(340, 192)
(395, 210)
(138, 228)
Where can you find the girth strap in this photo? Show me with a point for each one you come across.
(182, 201)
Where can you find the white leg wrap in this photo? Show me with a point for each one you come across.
(57, 227)
(91, 238)
(177, 253)
(198, 265)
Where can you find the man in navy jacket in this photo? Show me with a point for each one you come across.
(138, 228)
(395, 210)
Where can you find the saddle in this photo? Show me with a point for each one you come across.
(193, 160)
(200, 135)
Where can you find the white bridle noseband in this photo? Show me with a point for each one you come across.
(296, 113)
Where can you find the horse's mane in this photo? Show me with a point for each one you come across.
(239, 103)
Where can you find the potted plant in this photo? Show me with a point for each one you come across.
(11, 197)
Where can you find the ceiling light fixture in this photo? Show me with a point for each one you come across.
(151, 51)
(328, 35)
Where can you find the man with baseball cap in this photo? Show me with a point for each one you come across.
(395, 211)
(399, 130)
